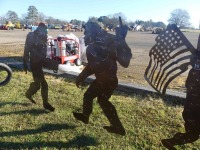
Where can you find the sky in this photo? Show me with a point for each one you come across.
(157, 10)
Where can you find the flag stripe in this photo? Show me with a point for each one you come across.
(169, 57)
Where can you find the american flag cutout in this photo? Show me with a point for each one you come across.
(169, 57)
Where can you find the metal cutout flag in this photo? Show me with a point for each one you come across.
(169, 57)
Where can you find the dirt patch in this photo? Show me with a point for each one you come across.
(12, 44)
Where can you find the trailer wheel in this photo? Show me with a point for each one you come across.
(67, 63)
(5, 74)
(78, 62)
(55, 71)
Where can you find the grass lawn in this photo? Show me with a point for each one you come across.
(23, 125)
(190, 30)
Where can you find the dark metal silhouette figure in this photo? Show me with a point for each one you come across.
(169, 57)
(36, 50)
(191, 112)
(102, 53)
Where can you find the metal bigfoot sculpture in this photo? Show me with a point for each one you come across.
(171, 56)
(36, 50)
(191, 112)
(103, 52)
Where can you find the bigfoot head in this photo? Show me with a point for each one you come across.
(92, 32)
(41, 31)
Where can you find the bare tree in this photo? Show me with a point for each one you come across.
(50, 20)
(12, 16)
(111, 21)
(93, 19)
(32, 13)
(41, 17)
(2, 19)
(76, 22)
(24, 19)
(116, 15)
(180, 18)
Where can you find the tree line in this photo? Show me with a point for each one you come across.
(179, 17)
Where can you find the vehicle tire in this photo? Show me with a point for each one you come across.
(7, 69)
(78, 62)
(68, 63)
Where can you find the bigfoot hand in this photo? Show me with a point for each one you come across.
(83, 75)
(79, 81)
(25, 65)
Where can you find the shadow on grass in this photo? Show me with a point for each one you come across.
(78, 142)
(43, 128)
(143, 94)
(33, 112)
(2, 104)
(173, 101)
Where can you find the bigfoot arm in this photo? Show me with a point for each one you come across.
(27, 48)
(87, 71)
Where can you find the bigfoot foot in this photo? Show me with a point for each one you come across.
(166, 143)
(48, 106)
(30, 98)
(115, 130)
(81, 117)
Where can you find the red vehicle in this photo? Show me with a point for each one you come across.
(7, 26)
(65, 49)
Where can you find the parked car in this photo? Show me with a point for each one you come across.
(50, 26)
(157, 30)
(28, 26)
(8, 26)
(18, 25)
(57, 27)
(33, 28)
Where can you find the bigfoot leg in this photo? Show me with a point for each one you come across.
(184, 138)
(111, 113)
(87, 110)
(44, 93)
(89, 95)
(191, 134)
(34, 87)
(180, 139)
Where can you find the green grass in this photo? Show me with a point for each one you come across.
(190, 30)
(146, 118)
